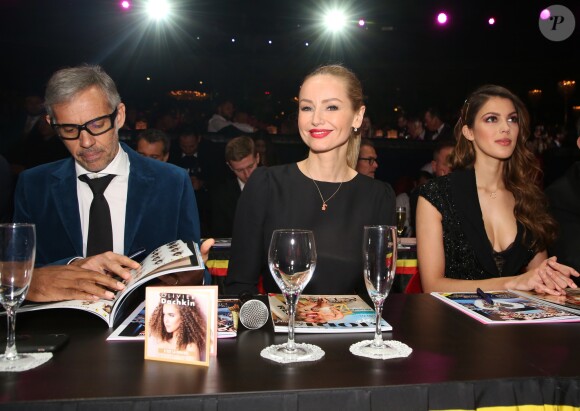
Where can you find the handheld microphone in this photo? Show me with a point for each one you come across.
(253, 313)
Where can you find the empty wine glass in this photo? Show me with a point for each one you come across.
(380, 262)
(17, 252)
(292, 260)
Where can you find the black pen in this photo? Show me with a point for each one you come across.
(484, 296)
(136, 253)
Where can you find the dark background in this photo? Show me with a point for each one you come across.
(402, 57)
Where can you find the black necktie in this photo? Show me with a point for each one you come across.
(100, 238)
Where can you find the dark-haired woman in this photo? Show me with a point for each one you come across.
(486, 224)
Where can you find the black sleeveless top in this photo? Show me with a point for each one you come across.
(469, 254)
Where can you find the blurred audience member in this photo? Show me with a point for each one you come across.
(564, 198)
(34, 110)
(154, 144)
(222, 121)
(416, 129)
(367, 163)
(242, 159)
(437, 127)
(366, 128)
(266, 150)
(402, 126)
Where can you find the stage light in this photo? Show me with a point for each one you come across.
(442, 18)
(545, 14)
(335, 21)
(307, 44)
(491, 21)
(269, 41)
(125, 4)
(361, 23)
(233, 40)
(158, 9)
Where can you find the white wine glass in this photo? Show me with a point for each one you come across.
(292, 260)
(17, 253)
(380, 263)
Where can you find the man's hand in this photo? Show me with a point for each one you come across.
(108, 263)
(70, 282)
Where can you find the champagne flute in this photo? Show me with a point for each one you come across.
(17, 252)
(401, 215)
(380, 262)
(292, 260)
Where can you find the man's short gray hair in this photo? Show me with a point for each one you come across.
(66, 83)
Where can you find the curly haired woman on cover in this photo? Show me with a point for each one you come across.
(179, 327)
(486, 224)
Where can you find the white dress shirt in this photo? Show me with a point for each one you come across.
(116, 195)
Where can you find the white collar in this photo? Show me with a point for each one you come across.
(119, 166)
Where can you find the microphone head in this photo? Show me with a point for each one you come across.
(254, 314)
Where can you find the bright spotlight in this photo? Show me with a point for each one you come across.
(545, 14)
(125, 4)
(158, 9)
(361, 23)
(335, 21)
(491, 21)
(442, 18)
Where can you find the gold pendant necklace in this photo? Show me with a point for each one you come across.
(324, 202)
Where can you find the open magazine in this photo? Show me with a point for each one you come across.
(133, 327)
(507, 308)
(174, 257)
(569, 302)
(326, 314)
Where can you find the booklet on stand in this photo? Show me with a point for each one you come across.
(326, 314)
(181, 324)
(174, 257)
(507, 308)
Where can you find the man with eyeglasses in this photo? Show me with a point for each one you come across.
(242, 159)
(367, 158)
(104, 202)
(367, 164)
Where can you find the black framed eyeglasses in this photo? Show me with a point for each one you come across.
(371, 160)
(94, 127)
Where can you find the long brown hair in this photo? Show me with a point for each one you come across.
(521, 170)
(355, 94)
(192, 328)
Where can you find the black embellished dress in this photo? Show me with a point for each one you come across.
(283, 197)
(469, 255)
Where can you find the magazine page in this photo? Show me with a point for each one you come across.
(569, 302)
(507, 308)
(180, 324)
(101, 308)
(132, 328)
(326, 314)
(228, 317)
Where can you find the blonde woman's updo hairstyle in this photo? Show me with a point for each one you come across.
(355, 95)
(521, 171)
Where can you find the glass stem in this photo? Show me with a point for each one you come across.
(378, 342)
(291, 301)
(10, 353)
